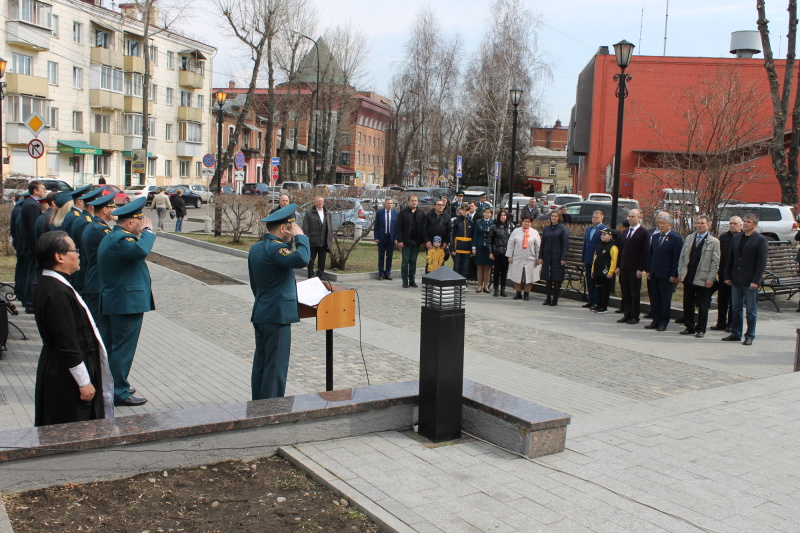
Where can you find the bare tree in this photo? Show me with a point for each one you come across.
(720, 137)
(786, 174)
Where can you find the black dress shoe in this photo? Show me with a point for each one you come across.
(648, 315)
(387, 278)
(699, 334)
(381, 276)
(661, 328)
(718, 327)
(730, 338)
(622, 320)
(619, 311)
(748, 342)
(688, 331)
(526, 296)
(587, 305)
(131, 401)
(131, 390)
(633, 321)
(405, 285)
(651, 326)
(412, 284)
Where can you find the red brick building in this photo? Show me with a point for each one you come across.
(655, 120)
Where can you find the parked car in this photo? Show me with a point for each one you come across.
(202, 191)
(346, 214)
(227, 189)
(255, 188)
(628, 203)
(488, 190)
(581, 212)
(599, 197)
(19, 184)
(288, 187)
(191, 198)
(776, 221)
(562, 199)
(137, 191)
(120, 197)
(427, 192)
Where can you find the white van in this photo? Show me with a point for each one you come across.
(288, 187)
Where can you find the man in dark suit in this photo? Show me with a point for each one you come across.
(26, 240)
(125, 292)
(408, 236)
(271, 265)
(318, 226)
(590, 239)
(384, 232)
(437, 223)
(724, 312)
(634, 248)
(662, 271)
(743, 271)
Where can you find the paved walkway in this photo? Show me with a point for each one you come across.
(696, 427)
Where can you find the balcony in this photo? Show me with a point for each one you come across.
(133, 104)
(112, 58)
(132, 142)
(28, 36)
(15, 133)
(187, 149)
(250, 152)
(24, 84)
(187, 78)
(135, 64)
(192, 114)
(108, 141)
(106, 99)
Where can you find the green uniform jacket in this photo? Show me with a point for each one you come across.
(69, 220)
(271, 264)
(76, 233)
(124, 277)
(90, 242)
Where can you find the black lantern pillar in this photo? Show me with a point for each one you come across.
(220, 97)
(624, 50)
(516, 95)
(3, 64)
(441, 355)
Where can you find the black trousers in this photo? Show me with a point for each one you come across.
(724, 311)
(604, 286)
(631, 289)
(660, 290)
(695, 296)
(320, 253)
(500, 271)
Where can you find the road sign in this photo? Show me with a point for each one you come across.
(458, 166)
(36, 124)
(209, 160)
(36, 148)
(138, 161)
(208, 172)
(497, 170)
(238, 161)
(274, 174)
(238, 175)
(275, 161)
(445, 172)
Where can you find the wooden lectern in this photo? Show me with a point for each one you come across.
(336, 310)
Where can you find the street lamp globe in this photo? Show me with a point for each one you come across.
(516, 96)
(624, 51)
(220, 97)
(3, 65)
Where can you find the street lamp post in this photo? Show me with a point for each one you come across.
(316, 107)
(516, 95)
(220, 97)
(623, 50)
(3, 64)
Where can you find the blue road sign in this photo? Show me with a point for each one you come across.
(209, 160)
(497, 170)
(275, 161)
(458, 166)
(238, 161)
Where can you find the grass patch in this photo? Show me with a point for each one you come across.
(223, 240)
(7, 265)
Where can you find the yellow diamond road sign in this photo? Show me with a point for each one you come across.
(36, 124)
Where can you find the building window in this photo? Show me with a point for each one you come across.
(102, 124)
(191, 132)
(52, 73)
(133, 84)
(32, 11)
(537, 169)
(346, 139)
(77, 32)
(77, 78)
(20, 107)
(21, 64)
(54, 25)
(111, 78)
(133, 124)
(132, 48)
(154, 54)
(152, 133)
(53, 118)
(77, 121)
(186, 99)
(183, 168)
(198, 169)
(199, 101)
(170, 60)
(102, 165)
(168, 133)
(358, 139)
(344, 159)
(552, 169)
(167, 168)
(169, 95)
(153, 92)
(102, 39)
(151, 167)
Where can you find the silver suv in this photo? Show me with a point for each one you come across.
(776, 221)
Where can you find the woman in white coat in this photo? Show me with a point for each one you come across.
(522, 252)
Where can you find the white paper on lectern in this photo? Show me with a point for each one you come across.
(311, 291)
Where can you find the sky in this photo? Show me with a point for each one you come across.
(571, 32)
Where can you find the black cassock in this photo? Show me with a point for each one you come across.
(68, 340)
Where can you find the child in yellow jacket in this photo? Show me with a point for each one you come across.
(435, 255)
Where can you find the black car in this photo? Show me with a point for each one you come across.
(581, 212)
(191, 198)
(255, 188)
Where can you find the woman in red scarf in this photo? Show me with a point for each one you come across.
(522, 252)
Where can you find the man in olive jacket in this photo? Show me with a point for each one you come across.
(125, 292)
(318, 226)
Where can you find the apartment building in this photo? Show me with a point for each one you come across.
(80, 67)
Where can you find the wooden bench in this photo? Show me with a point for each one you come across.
(781, 275)
(575, 270)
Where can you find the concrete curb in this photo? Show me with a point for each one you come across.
(5, 522)
(202, 244)
(386, 520)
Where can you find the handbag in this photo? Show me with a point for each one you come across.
(171, 213)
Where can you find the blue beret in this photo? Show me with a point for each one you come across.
(282, 216)
(104, 201)
(132, 209)
(62, 198)
(91, 195)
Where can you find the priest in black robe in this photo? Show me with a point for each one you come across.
(73, 381)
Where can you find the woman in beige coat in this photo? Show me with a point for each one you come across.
(522, 252)
(161, 204)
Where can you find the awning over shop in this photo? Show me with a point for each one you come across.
(130, 154)
(342, 170)
(78, 147)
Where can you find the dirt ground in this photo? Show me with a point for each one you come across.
(261, 495)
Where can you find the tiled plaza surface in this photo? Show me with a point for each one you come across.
(698, 428)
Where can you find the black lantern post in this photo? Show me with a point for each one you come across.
(624, 50)
(316, 107)
(3, 64)
(441, 355)
(219, 96)
(516, 95)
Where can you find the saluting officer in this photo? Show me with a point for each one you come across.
(90, 241)
(76, 234)
(125, 292)
(271, 265)
(77, 208)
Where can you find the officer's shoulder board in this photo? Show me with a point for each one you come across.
(88, 218)
(107, 230)
(130, 239)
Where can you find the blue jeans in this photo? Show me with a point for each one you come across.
(461, 264)
(408, 268)
(742, 295)
(178, 224)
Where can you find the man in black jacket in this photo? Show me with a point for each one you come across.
(410, 225)
(436, 223)
(318, 226)
(634, 249)
(724, 313)
(743, 270)
(26, 240)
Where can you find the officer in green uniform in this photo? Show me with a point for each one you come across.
(125, 292)
(76, 234)
(76, 210)
(90, 242)
(271, 265)
(482, 204)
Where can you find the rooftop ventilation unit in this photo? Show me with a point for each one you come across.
(745, 43)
